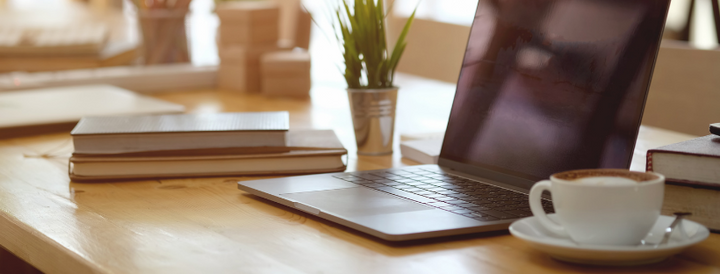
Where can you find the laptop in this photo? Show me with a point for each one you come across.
(545, 86)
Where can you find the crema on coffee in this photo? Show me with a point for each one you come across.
(598, 176)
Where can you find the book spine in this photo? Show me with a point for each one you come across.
(703, 203)
(648, 162)
(693, 184)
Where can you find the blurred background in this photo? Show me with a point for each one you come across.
(117, 26)
(69, 42)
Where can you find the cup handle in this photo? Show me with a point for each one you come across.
(537, 209)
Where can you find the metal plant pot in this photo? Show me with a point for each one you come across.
(373, 113)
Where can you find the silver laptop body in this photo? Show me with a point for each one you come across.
(545, 86)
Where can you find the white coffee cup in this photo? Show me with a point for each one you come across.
(601, 206)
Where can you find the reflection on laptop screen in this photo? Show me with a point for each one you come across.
(552, 85)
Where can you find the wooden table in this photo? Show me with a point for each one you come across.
(207, 225)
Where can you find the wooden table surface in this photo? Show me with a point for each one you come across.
(207, 225)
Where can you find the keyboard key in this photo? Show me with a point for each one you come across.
(484, 217)
(480, 201)
(383, 181)
(504, 208)
(356, 179)
(461, 211)
(498, 214)
(368, 177)
(400, 172)
(413, 189)
(426, 188)
(441, 184)
(464, 204)
(478, 208)
(424, 173)
(410, 196)
(450, 208)
(379, 174)
(438, 204)
(520, 213)
(435, 189)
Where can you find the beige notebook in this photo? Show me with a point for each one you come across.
(57, 109)
(307, 151)
(142, 133)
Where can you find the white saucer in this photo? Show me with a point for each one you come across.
(564, 249)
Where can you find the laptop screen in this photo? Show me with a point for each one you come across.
(553, 85)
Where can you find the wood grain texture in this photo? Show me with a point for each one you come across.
(207, 225)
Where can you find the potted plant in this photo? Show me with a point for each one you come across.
(360, 28)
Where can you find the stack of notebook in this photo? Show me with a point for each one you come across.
(692, 176)
(192, 145)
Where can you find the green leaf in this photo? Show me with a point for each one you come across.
(360, 30)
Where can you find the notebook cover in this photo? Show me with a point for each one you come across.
(203, 122)
(702, 146)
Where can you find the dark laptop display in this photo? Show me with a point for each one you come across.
(552, 85)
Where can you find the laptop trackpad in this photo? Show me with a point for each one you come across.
(355, 201)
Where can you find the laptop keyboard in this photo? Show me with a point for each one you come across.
(433, 187)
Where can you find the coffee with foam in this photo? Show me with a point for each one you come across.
(600, 206)
(606, 181)
(606, 176)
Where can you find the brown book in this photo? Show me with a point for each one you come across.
(693, 162)
(692, 171)
(306, 152)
